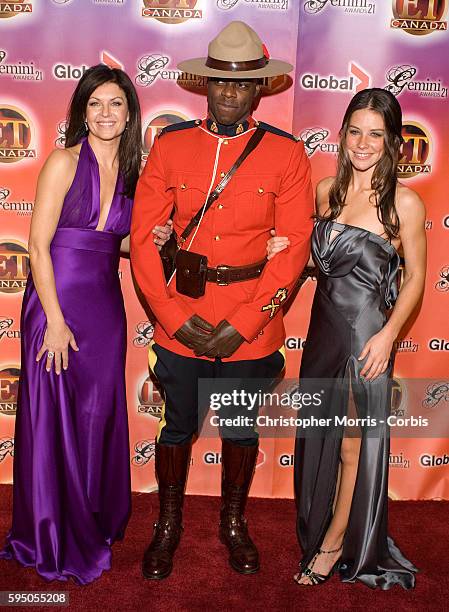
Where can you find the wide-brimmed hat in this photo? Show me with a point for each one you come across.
(237, 52)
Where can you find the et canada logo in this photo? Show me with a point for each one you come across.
(419, 17)
(19, 71)
(356, 7)
(150, 399)
(14, 266)
(415, 149)
(11, 9)
(400, 78)
(16, 135)
(20, 208)
(171, 11)
(9, 386)
(156, 123)
(356, 80)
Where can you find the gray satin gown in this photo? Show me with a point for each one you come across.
(356, 285)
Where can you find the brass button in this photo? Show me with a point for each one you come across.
(183, 186)
(222, 174)
(260, 190)
(225, 142)
(220, 206)
(217, 238)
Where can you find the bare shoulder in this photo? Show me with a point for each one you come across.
(322, 194)
(60, 166)
(409, 204)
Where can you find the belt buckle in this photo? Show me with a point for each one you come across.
(220, 269)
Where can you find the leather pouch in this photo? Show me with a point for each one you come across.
(191, 273)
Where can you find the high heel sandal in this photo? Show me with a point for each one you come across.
(314, 577)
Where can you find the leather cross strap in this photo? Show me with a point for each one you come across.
(214, 195)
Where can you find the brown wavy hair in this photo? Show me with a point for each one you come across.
(384, 179)
(130, 149)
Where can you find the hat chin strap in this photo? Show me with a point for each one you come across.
(216, 64)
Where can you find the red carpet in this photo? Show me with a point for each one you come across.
(202, 579)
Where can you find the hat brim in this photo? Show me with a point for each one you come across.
(198, 67)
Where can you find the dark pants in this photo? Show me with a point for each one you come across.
(178, 377)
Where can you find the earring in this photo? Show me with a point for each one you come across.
(86, 126)
(126, 125)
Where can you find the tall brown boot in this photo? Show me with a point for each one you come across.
(237, 470)
(172, 463)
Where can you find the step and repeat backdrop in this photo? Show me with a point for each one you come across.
(338, 48)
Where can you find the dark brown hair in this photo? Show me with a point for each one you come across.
(130, 149)
(384, 179)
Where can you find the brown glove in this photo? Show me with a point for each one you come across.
(222, 342)
(194, 333)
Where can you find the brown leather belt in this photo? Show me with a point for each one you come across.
(225, 275)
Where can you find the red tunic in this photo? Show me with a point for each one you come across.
(271, 189)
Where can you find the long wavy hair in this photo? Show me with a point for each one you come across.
(130, 148)
(384, 179)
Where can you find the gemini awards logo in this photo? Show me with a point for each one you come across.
(14, 266)
(19, 71)
(11, 9)
(400, 78)
(416, 150)
(314, 140)
(419, 17)
(171, 11)
(9, 386)
(16, 135)
(356, 7)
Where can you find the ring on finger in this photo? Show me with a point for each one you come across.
(50, 355)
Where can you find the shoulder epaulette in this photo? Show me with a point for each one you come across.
(274, 130)
(182, 125)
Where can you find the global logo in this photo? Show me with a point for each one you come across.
(295, 344)
(152, 67)
(145, 451)
(11, 9)
(150, 399)
(171, 11)
(438, 344)
(280, 5)
(19, 71)
(286, 460)
(21, 208)
(416, 150)
(14, 266)
(9, 387)
(367, 7)
(314, 140)
(69, 72)
(6, 448)
(428, 460)
(156, 124)
(401, 77)
(419, 17)
(356, 80)
(213, 458)
(16, 135)
(443, 283)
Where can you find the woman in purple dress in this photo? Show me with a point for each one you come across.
(71, 467)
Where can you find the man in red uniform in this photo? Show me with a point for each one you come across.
(235, 330)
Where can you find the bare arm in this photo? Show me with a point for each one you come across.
(411, 213)
(53, 183)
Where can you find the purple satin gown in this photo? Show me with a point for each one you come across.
(71, 467)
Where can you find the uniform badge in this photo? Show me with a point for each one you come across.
(276, 301)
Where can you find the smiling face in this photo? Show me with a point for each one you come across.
(107, 112)
(364, 140)
(229, 101)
